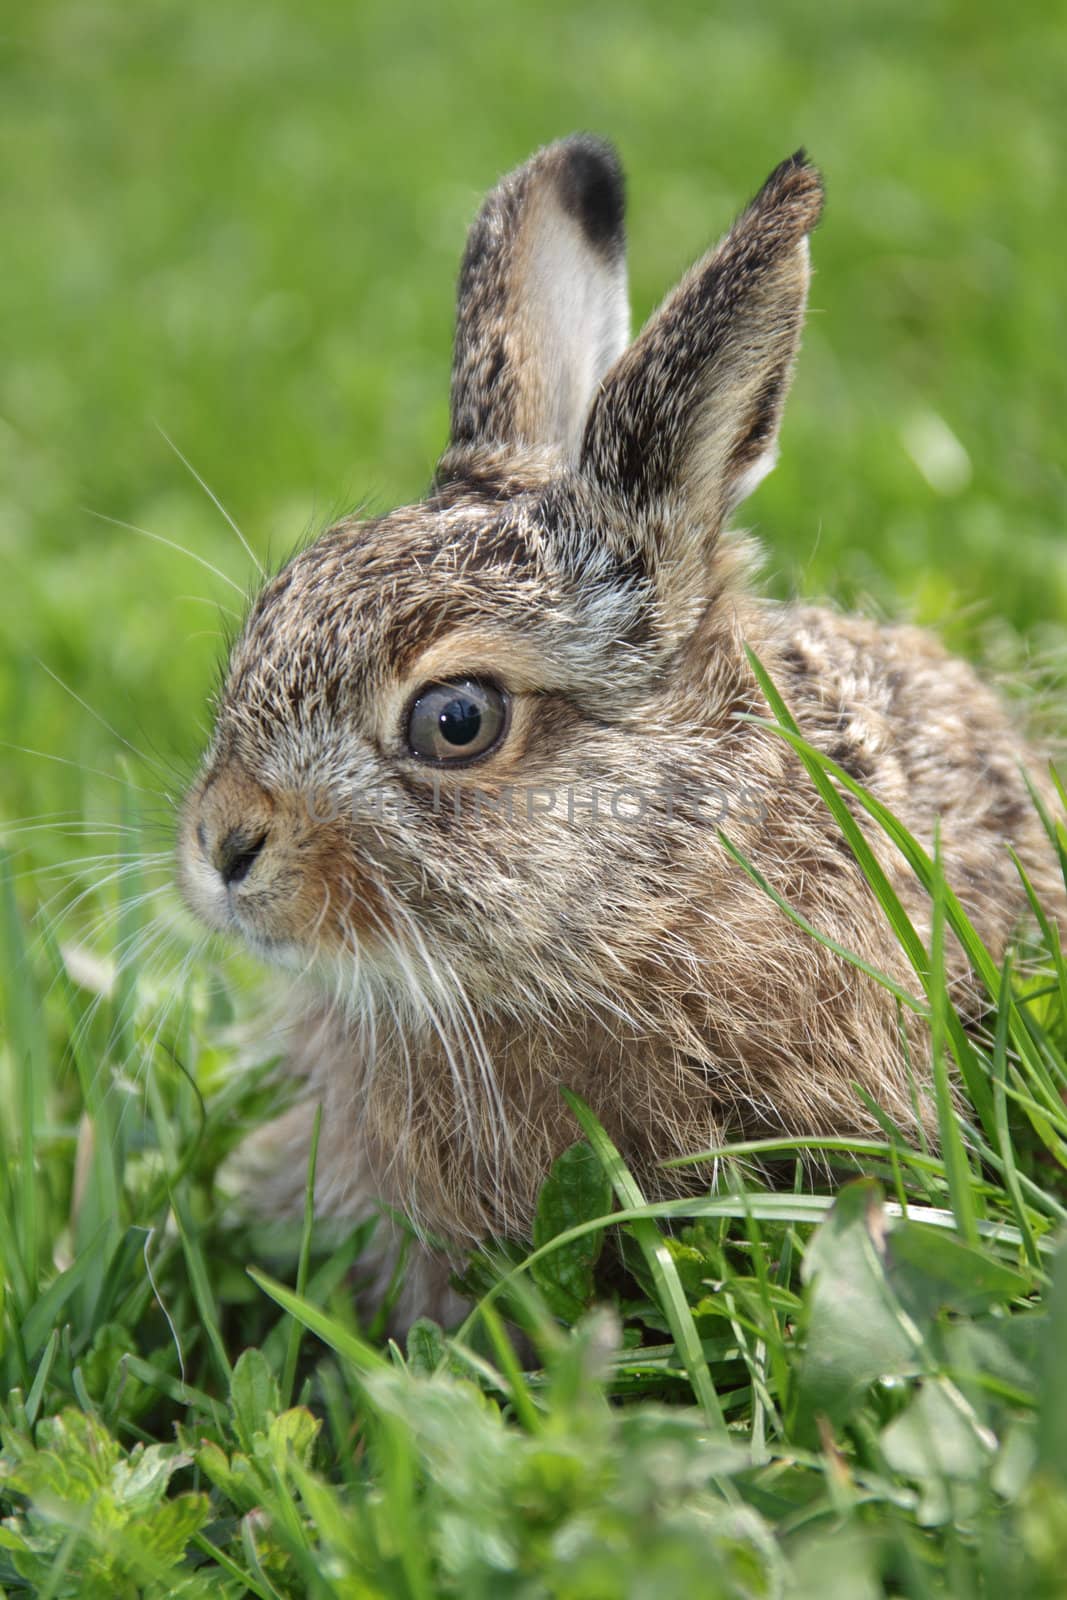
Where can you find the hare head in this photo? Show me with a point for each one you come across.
(429, 717)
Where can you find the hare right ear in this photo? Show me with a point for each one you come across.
(686, 422)
(542, 306)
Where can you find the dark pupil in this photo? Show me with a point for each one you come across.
(459, 720)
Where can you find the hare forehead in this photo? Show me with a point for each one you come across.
(360, 605)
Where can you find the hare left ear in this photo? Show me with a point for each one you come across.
(686, 423)
(542, 306)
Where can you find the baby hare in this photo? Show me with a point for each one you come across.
(472, 759)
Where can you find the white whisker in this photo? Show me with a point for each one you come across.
(56, 679)
(213, 497)
(206, 600)
(96, 772)
(171, 544)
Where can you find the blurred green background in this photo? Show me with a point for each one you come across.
(240, 223)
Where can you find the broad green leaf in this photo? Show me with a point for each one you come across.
(254, 1395)
(840, 1565)
(165, 1532)
(236, 1478)
(856, 1329)
(929, 1269)
(105, 1368)
(425, 1347)
(140, 1481)
(293, 1434)
(576, 1190)
(936, 1442)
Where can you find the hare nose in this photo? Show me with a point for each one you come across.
(235, 854)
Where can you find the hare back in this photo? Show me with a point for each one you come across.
(936, 745)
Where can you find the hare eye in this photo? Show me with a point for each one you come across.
(457, 721)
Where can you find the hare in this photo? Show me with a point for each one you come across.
(472, 759)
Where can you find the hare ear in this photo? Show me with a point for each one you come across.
(542, 306)
(685, 424)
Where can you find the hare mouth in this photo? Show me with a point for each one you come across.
(228, 913)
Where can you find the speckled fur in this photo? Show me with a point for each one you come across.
(453, 970)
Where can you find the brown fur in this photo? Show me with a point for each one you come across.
(461, 961)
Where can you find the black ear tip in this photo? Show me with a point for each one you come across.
(795, 190)
(592, 188)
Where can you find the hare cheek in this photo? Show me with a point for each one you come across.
(311, 893)
(347, 906)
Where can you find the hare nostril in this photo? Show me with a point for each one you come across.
(236, 854)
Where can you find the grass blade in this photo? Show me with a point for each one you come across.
(957, 1167)
(303, 1260)
(664, 1272)
(348, 1345)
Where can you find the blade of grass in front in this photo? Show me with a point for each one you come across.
(824, 772)
(43, 1315)
(1049, 932)
(30, 1067)
(229, 1566)
(812, 1142)
(199, 1277)
(1005, 1147)
(105, 1195)
(521, 1399)
(957, 1168)
(872, 869)
(664, 1272)
(295, 1331)
(1051, 827)
(200, 1282)
(769, 1351)
(44, 1367)
(1026, 1037)
(362, 1355)
(824, 939)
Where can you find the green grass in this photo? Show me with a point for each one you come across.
(240, 225)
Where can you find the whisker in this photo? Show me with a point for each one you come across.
(66, 761)
(178, 989)
(482, 1063)
(113, 876)
(114, 913)
(455, 1062)
(213, 497)
(71, 829)
(56, 679)
(206, 600)
(171, 544)
(153, 936)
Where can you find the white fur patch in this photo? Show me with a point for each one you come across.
(575, 319)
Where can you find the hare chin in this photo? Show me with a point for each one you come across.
(226, 919)
(283, 953)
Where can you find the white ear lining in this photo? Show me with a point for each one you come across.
(753, 475)
(575, 318)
